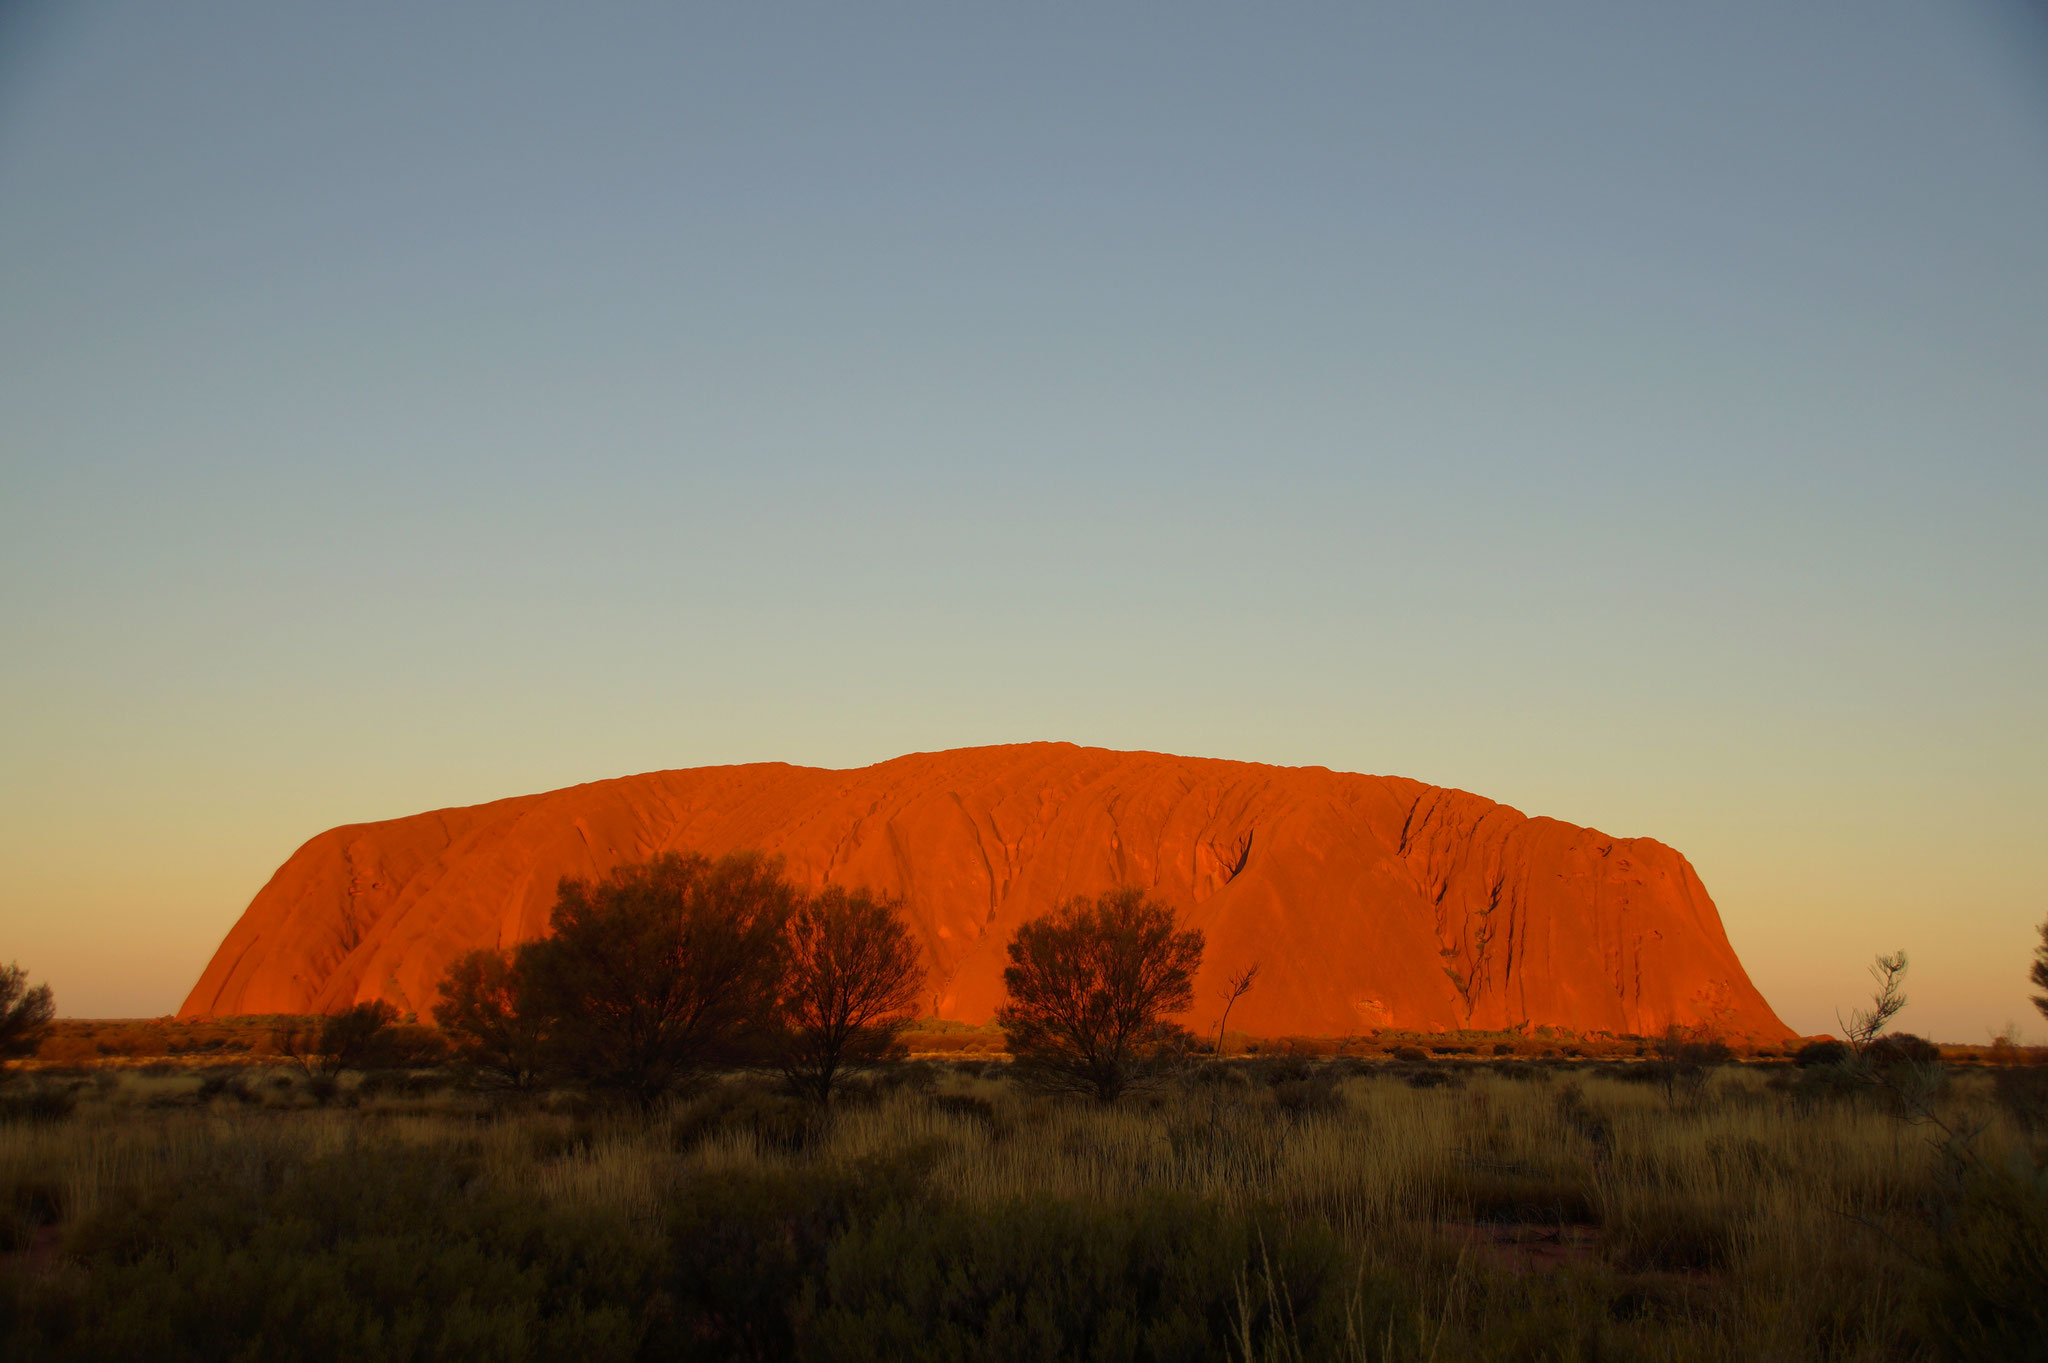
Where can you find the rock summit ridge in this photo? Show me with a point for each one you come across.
(1370, 901)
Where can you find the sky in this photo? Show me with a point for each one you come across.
(1634, 414)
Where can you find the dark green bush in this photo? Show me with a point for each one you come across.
(1317, 1096)
(1827, 1051)
(1427, 1078)
(1900, 1049)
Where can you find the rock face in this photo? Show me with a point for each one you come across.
(1369, 901)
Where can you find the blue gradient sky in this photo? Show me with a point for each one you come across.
(1637, 414)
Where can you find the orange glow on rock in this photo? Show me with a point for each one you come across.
(1369, 901)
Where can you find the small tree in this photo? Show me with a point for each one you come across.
(660, 968)
(363, 1037)
(1236, 988)
(25, 1014)
(352, 1039)
(2039, 973)
(297, 1039)
(490, 1021)
(1090, 986)
(1684, 1058)
(852, 980)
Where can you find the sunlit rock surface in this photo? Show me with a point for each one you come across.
(1368, 901)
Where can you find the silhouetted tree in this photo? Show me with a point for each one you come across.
(367, 1036)
(490, 1020)
(852, 979)
(1090, 987)
(660, 968)
(1897, 1049)
(350, 1039)
(25, 1014)
(2039, 973)
(1825, 1051)
(1684, 1057)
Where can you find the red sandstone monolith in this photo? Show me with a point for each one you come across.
(1369, 901)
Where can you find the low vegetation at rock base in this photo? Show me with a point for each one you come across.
(682, 1127)
(1254, 1208)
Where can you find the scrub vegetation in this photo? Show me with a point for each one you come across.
(376, 1189)
(1282, 1208)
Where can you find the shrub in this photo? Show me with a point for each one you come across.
(494, 1029)
(1090, 987)
(852, 980)
(1826, 1051)
(25, 1015)
(1901, 1049)
(2037, 972)
(1314, 1096)
(661, 968)
(1432, 1078)
(1684, 1057)
(227, 1085)
(369, 1035)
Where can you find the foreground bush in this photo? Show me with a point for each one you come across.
(25, 1015)
(851, 986)
(1090, 988)
(494, 1028)
(660, 968)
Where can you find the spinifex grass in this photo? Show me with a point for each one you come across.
(1523, 1214)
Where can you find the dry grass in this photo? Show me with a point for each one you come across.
(1750, 1224)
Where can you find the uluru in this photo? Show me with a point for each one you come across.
(1369, 902)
